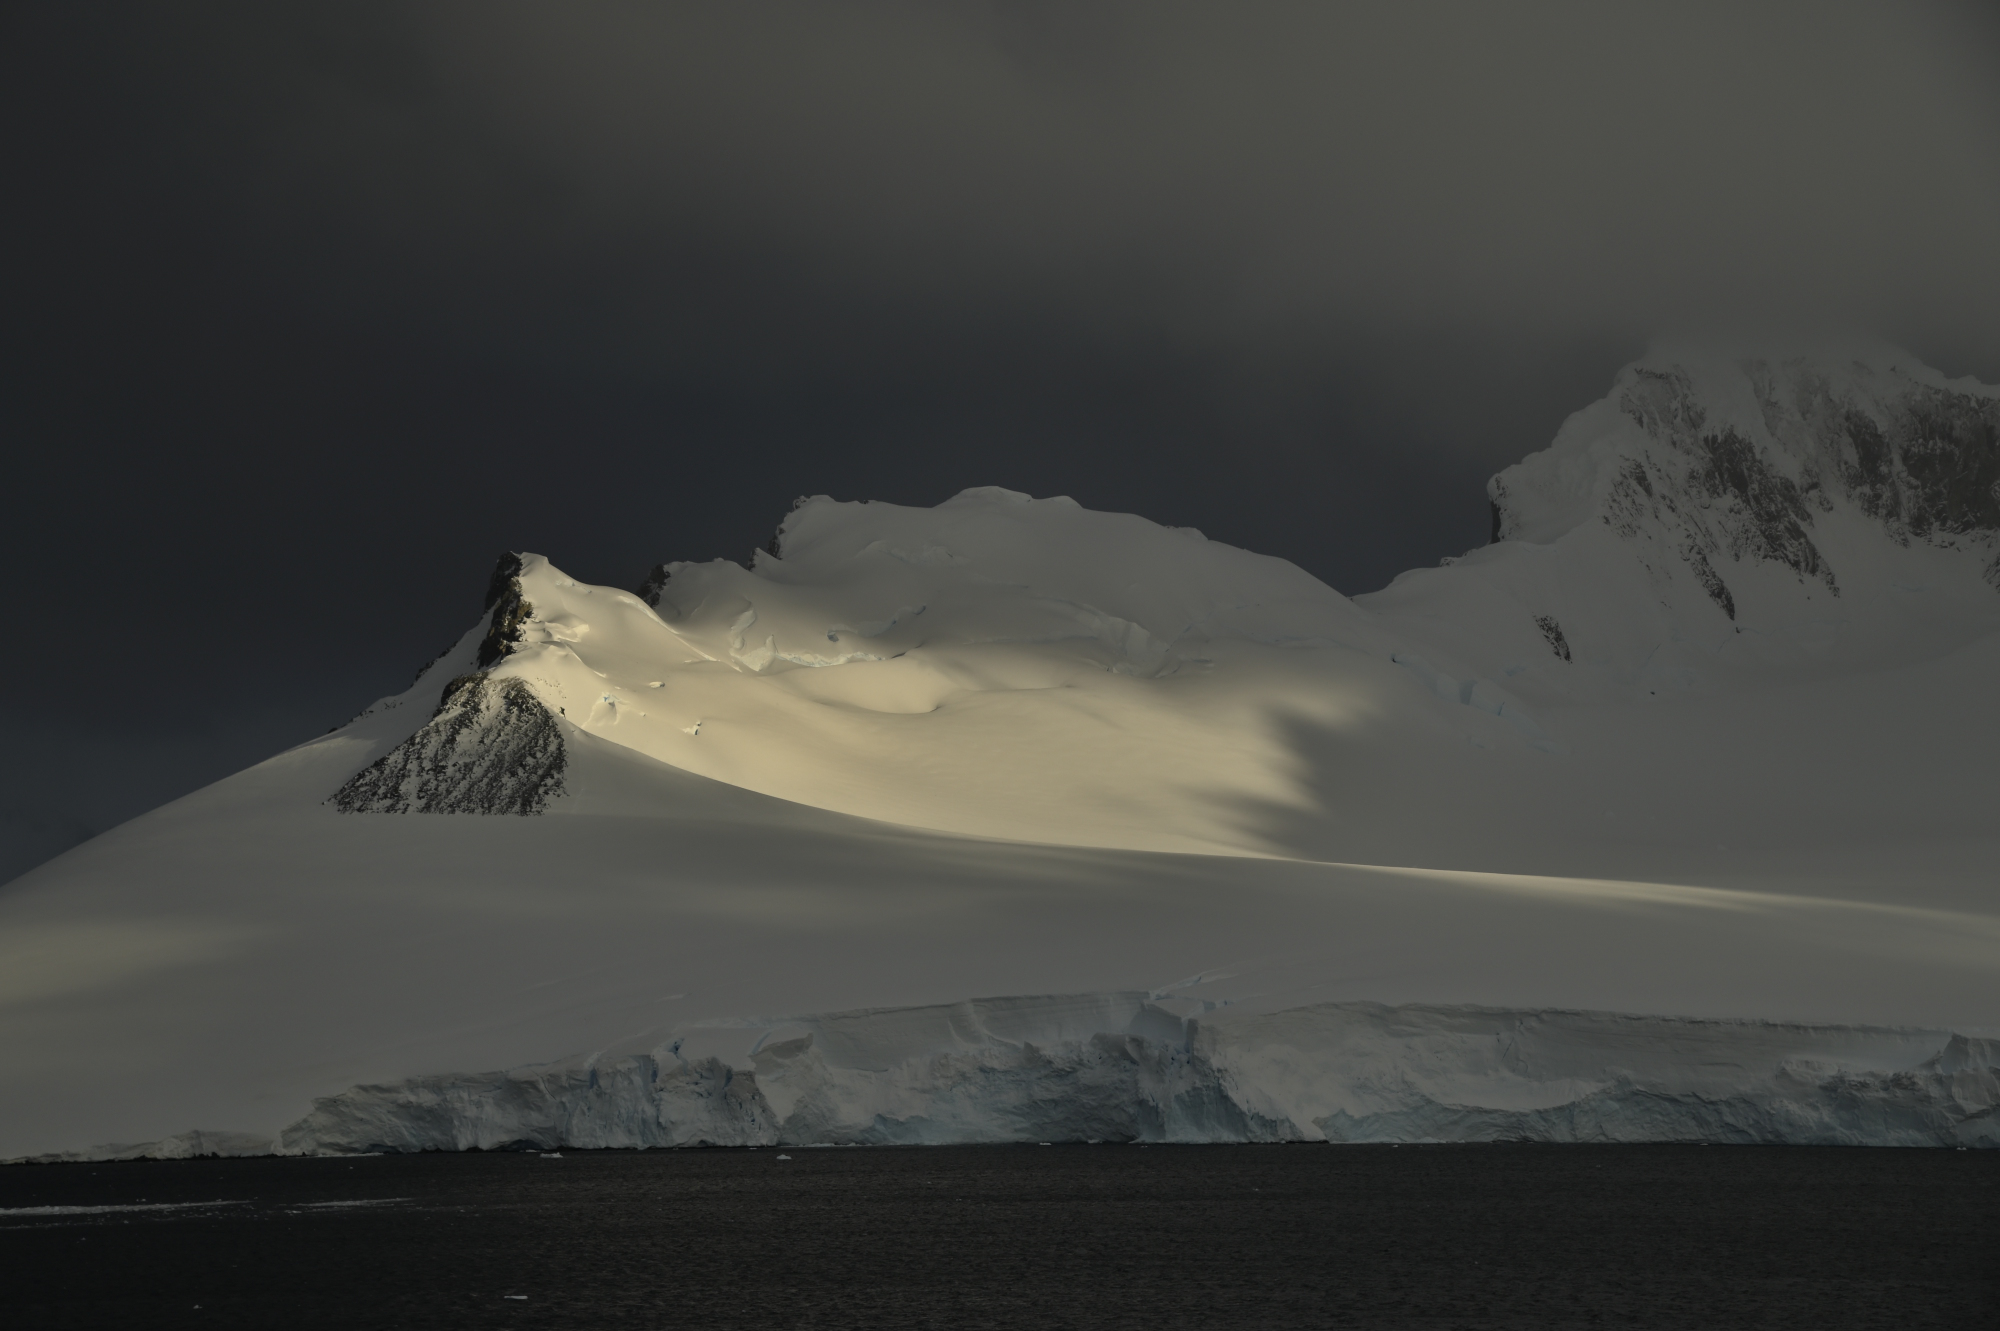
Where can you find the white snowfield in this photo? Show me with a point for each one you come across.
(1669, 815)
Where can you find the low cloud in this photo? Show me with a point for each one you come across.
(1215, 174)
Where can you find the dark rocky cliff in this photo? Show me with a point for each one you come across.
(490, 748)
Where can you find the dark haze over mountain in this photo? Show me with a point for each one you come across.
(309, 310)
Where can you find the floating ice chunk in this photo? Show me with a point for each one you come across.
(22, 1212)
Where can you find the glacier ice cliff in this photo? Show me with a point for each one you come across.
(1133, 1067)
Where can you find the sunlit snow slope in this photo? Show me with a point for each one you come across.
(1704, 738)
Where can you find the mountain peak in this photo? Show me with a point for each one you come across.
(1879, 431)
(1706, 464)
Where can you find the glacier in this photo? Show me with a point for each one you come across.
(1133, 1068)
(1665, 816)
(1138, 1067)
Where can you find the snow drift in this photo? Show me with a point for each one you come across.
(1704, 738)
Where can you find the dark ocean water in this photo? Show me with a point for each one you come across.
(1512, 1236)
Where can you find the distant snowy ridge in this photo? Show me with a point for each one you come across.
(1737, 457)
(1152, 1068)
(1717, 517)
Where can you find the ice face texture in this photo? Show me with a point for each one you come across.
(1129, 1067)
(1669, 814)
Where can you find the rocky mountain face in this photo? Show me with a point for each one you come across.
(491, 748)
(507, 608)
(1703, 466)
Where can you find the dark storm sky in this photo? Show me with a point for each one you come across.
(309, 310)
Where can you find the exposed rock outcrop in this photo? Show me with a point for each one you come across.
(1717, 492)
(1929, 469)
(1552, 634)
(491, 747)
(655, 583)
(509, 609)
(1728, 465)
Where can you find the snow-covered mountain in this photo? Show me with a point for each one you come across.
(1667, 814)
(1727, 520)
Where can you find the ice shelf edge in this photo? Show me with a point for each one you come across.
(1134, 1067)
